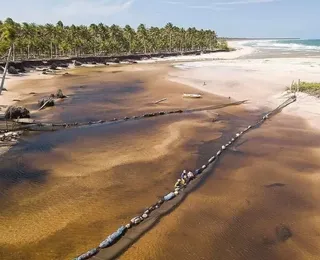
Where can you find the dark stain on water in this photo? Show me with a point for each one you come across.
(95, 101)
(274, 185)
(15, 170)
(283, 233)
(92, 102)
(15, 167)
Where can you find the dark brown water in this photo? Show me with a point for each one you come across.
(63, 192)
(92, 102)
(260, 202)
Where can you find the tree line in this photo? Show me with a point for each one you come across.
(30, 40)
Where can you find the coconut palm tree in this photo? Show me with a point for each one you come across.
(169, 31)
(142, 35)
(94, 35)
(59, 34)
(50, 34)
(129, 35)
(8, 36)
(28, 31)
(53, 40)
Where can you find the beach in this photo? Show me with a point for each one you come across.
(63, 192)
(262, 81)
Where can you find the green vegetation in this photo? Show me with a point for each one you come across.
(312, 88)
(223, 45)
(29, 40)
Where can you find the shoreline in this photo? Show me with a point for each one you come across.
(105, 60)
(262, 81)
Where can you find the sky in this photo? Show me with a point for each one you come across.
(229, 18)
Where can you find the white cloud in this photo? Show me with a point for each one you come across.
(86, 7)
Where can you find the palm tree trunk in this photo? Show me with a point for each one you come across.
(51, 50)
(5, 69)
(13, 52)
(28, 52)
(145, 47)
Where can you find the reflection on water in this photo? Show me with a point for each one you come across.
(93, 102)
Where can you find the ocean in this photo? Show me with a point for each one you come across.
(283, 48)
(292, 45)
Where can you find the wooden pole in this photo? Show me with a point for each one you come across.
(5, 69)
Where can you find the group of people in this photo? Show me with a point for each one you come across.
(185, 178)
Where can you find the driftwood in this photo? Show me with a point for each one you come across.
(46, 103)
(192, 96)
(161, 100)
(24, 121)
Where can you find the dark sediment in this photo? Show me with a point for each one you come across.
(283, 233)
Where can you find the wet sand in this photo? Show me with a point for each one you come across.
(62, 193)
(268, 185)
(109, 92)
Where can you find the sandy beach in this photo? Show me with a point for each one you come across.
(63, 192)
(262, 81)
